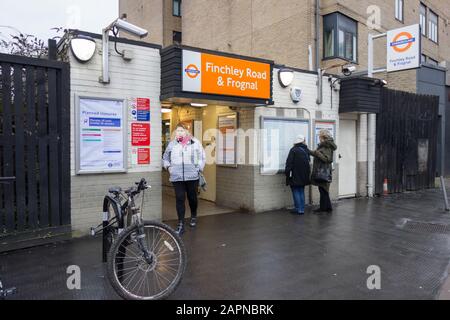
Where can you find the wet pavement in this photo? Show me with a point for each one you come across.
(276, 255)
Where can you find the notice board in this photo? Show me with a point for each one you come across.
(226, 142)
(277, 138)
(319, 125)
(100, 135)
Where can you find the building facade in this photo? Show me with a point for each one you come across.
(311, 34)
(128, 82)
(250, 178)
(286, 31)
(161, 17)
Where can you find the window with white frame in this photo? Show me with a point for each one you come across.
(399, 10)
(423, 19)
(433, 20)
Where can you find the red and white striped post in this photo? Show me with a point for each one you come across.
(385, 187)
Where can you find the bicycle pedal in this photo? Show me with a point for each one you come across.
(10, 291)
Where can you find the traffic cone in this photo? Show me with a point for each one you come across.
(385, 187)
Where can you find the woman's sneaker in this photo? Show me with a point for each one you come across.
(180, 228)
(193, 222)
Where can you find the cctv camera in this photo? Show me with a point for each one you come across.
(348, 70)
(130, 28)
(380, 82)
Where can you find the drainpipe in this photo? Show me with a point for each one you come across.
(317, 63)
(362, 147)
(319, 99)
(371, 136)
(371, 127)
(316, 34)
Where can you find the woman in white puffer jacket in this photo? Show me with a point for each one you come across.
(184, 158)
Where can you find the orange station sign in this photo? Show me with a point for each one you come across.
(222, 75)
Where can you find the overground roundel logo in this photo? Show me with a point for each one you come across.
(402, 42)
(192, 71)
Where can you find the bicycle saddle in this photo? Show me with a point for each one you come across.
(115, 190)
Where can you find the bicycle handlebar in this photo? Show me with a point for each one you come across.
(140, 186)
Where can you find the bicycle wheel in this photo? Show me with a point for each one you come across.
(133, 277)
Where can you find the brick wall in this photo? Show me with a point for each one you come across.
(270, 190)
(235, 186)
(283, 32)
(137, 78)
(148, 14)
(258, 28)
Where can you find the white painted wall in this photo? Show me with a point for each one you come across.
(271, 191)
(139, 78)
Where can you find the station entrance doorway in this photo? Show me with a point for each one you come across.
(202, 122)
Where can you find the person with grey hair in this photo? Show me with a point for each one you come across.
(322, 169)
(297, 172)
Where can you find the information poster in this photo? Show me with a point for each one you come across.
(143, 156)
(140, 156)
(143, 109)
(140, 134)
(227, 140)
(101, 136)
(140, 109)
(278, 138)
(320, 125)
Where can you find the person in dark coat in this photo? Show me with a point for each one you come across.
(323, 158)
(298, 172)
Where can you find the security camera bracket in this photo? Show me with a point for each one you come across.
(105, 79)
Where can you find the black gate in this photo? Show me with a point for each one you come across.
(406, 146)
(34, 146)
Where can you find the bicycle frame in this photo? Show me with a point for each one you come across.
(121, 211)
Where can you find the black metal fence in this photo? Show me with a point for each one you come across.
(406, 147)
(34, 144)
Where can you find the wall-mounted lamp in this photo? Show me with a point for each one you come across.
(285, 77)
(83, 48)
(199, 105)
(118, 24)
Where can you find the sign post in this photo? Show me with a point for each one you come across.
(403, 48)
(403, 53)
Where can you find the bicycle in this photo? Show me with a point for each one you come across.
(6, 292)
(145, 260)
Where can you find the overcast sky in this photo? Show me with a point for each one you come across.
(37, 17)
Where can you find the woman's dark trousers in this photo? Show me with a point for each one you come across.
(181, 189)
(325, 202)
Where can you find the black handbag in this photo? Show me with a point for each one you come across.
(323, 174)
